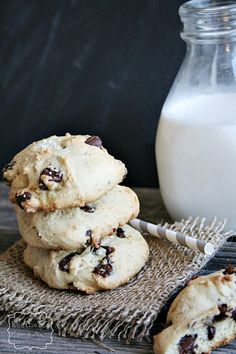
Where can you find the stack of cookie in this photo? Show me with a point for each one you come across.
(73, 215)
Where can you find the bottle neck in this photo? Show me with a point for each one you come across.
(212, 63)
(208, 22)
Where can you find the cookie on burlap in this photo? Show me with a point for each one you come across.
(74, 228)
(119, 257)
(62, 172)
(202, 317)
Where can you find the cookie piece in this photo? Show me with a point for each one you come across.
(62, 172)
(74, 228)
(202, 317)
(114, 263)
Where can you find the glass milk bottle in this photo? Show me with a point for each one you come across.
(196, 136)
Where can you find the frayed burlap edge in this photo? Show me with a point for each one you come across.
(127, 312)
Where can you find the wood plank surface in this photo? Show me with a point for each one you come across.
(152, 209)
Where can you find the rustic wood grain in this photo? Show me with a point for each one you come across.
(152, 209)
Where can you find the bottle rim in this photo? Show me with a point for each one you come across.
(208, 20)
(207, 7)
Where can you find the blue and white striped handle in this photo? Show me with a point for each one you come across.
(173, 236)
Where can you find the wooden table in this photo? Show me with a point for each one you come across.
(152, 209)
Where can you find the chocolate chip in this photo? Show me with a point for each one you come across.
(22, 198)
(42, 186)
(94, 141)
(108, 249)
(234, 315)
(222, 315)
(88, 233)
(53, 174)
(229, 270)
(56, 176)
(88, 208)
(186, 344)
(211, 331)
(104, 268)
(120, 232)
(8, 166)
(65, 262)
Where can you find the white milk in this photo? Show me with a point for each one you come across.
(196, 157)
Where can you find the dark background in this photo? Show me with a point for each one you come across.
(99, 67)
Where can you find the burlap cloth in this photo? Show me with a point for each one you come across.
(128, 311)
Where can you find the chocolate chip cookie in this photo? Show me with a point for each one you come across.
(106, 266)
(74, 228)
(62, 172)
(202, 317)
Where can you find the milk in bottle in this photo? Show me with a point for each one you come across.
(196, 156)
(196, 136)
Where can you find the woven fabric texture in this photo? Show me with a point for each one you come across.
(127, 312)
